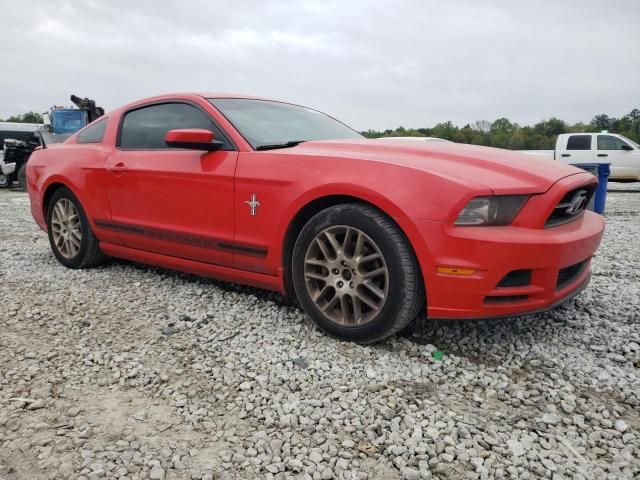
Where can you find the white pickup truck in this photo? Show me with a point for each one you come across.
(623, 154)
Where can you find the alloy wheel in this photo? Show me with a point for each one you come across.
(66, 228)
(346, 275)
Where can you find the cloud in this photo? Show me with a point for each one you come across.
(373, 64)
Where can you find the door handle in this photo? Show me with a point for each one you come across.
(118, 168)
(603, 154)
(565, 155)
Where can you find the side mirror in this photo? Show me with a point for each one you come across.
(192, 139)
(626, 147)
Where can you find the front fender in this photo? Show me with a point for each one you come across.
(341, 192)
(284, 184)
(359, 192)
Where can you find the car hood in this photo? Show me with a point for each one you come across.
(503, 171)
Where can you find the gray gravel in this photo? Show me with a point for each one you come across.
(132, 372)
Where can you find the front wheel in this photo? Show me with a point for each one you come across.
(70, 235)
(355, 274)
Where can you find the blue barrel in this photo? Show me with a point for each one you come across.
(601, 191)
(601, 171)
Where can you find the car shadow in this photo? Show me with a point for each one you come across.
(261, 294)
(496, 337)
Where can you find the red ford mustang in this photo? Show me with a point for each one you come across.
(364, 233)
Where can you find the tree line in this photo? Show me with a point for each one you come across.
(503, 133)
(29, 117)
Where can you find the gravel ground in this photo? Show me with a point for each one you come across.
(131, 372)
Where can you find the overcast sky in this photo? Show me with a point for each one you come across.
(372, 64)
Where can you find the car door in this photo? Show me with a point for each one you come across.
(624, 159)
(174, 202)
(578, 149)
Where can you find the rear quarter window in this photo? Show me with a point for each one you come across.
(93, 133)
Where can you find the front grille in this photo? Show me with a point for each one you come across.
(568, 274)
(571, 206)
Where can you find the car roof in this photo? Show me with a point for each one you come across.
(189, 95)
(231, 95)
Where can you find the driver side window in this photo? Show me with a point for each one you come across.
(145, 128)
(609, 142)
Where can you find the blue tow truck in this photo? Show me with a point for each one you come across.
(18, 140)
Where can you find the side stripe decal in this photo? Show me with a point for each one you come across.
(179, 237)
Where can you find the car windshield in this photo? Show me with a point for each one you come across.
(267, 124)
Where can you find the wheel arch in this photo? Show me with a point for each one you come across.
(52, 188)
(312, 207)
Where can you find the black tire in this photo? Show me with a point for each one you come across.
(5, 180)
(22, 177)
(405, 297)
(89, 253)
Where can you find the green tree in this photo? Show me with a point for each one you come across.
(579, 128)
(503, 133)
(551, 127)
(602, 122)
(502, 125)
(633, 131)
(465, 135)
(501, 130)
(446, 130)
(517, 140)
(481, 134)
(29, 117)
(371, 134)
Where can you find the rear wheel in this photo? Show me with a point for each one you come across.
(355, 274)
(72, 241)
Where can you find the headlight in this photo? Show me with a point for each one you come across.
(496, 210)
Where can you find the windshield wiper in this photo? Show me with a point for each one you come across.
(288, 144)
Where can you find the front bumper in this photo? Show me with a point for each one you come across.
(493, 252)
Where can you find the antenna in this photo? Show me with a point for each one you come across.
(42, 142)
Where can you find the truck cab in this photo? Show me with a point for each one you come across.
(67, 120)
(61, 123)
(623, 154)
(18, 140)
